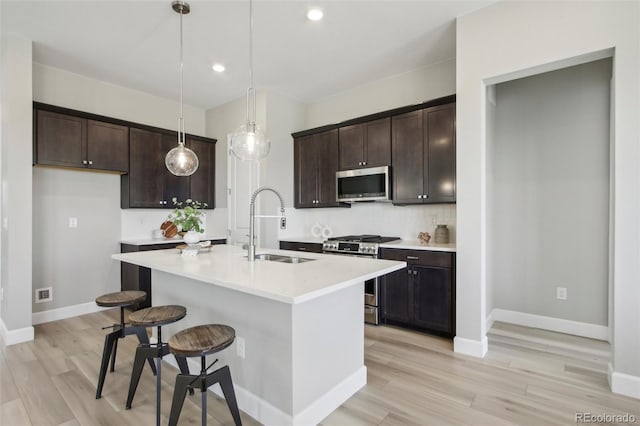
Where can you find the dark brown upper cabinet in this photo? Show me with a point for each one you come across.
(423, 146)
(203, 180)
(70, 141)
(315, 166)
(149, 184)
(365, 144)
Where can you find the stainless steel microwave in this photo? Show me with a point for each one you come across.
(371, 184)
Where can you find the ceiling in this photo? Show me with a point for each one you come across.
(136, 43)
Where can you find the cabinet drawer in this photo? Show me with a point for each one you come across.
(310, 247)
(419, 257)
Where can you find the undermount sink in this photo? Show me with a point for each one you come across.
(281, 258)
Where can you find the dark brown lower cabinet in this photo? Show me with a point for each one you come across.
(296, 246)
(134, 277)
(421, 296)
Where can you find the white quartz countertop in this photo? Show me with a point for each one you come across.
(226, 266)
(398, 244)
(309, 239)
(177, 239)
(418, 245)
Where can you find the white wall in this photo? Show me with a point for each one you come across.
(505, 41)
(548, 190)
(76, 262)
(412, 87)
(94, 198)
(15, 171)
(283, 115)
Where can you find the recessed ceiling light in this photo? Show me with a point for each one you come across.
(315, 14)
(218, 67)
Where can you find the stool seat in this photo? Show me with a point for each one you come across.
(202, 340)
(158, 315)
(121, 298)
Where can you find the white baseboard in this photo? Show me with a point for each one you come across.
(593, 331)
(65, 312)
(624, 384)
(476, 348)
(267, 414)
(328, 403)
(12, 337)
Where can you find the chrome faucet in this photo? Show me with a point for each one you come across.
(251, 248)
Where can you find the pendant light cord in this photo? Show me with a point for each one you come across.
(251, 93)
(181, 134)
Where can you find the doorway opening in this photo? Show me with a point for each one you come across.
(549, 189)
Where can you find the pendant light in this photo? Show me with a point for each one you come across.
(249, 142)
(181, 161)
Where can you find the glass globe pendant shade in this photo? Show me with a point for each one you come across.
(250, 143)
(181, 161)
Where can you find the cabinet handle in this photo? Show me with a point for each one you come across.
(162, 202)
(90, 162)
(364, 163)
(419, 197)
(415, 272)
(413, 258)
(302, 249)
(84, 161)
(409, 271)
(425, 196)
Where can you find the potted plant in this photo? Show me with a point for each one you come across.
(188, 217)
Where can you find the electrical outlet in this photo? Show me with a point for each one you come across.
(561, 293)
(73, 222)
(240, 346)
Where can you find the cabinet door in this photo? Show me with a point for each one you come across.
(173, 186)
(407, 157)
(203, 180)
(351, 147)
(395, 289)
(440, 154)
(327, 143)
(377, 136)
(432, 303)
(146, 177)
(107, 146)
(305, 154)
(60, 139)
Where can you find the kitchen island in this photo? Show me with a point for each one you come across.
(299, 351)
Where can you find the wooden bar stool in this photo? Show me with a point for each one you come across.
(155, 316)
(120, 299)
(201, 341)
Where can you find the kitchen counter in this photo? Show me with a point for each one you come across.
(301, 325)
(418, 245)
(227, 266)
(177, 239)
(308, 239)
(398, 244)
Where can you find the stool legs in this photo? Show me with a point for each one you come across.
(109, 341)
(204, 381)
(111, 346)
(147, 352)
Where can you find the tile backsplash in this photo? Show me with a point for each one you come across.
(139, 223)
(372, 218)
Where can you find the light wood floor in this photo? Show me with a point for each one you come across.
(528, 377)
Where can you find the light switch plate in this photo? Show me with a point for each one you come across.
(73, 222)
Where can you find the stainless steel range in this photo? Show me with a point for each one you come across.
(361, 246)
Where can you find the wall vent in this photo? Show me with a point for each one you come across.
(44, 294)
